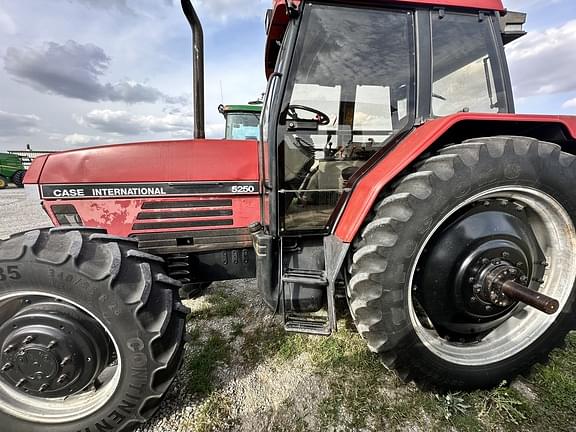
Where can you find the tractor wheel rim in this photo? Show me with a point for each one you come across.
(556, 236)
(55, 410)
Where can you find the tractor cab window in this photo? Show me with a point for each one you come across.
(350, 90)
(242, 126)
(465, 67)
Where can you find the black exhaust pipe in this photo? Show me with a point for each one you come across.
(197, 66)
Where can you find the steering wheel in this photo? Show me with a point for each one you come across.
(322, 118)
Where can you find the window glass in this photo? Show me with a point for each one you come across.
(348, 93)
(463, 65)
(241, 126)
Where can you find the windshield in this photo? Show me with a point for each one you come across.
(350, 91)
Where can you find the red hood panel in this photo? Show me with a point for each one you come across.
(165, 161)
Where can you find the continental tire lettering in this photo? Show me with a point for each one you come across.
(10, 273)
(116, 417)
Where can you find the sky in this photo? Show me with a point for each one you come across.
(77, 73)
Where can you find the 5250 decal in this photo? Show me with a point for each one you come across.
(10, 272)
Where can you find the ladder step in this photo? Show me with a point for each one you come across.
(307, 326)
(305, 277)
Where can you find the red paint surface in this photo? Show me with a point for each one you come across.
(279, 20)
(165, 161)
(368, 187)
(33, 173)
(168, 161)
(119, 215)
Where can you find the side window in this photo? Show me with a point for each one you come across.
(464, 67)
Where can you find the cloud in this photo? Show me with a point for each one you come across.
(125, 123)
(7, 24)
(569, 104)
(18, 124)
(224, 10)
(76, 140)
(75, 71)
(542, 62)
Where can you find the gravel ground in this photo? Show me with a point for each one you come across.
(18, 214)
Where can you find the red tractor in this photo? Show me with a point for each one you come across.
(391, 171)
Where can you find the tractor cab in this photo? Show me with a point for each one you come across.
(241, 121)
(350, 80)
(347, 82)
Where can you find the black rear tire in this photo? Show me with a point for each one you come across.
(122, 290)
(18, 178)
(385, 301)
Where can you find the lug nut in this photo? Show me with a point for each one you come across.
(505, 254)
(43, 387)
(62, 378)
(7, 367)
(544, 263)
(9, 348)
(485, 261)
(28, 340)
(65, 361)
(52, 344)
(21, 383)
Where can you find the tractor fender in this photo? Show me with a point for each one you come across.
(368, 188)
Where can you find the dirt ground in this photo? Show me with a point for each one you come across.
(241, 372)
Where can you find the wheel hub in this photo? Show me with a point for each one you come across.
(51, 350)
(490, 241)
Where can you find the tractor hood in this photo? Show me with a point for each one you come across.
(163, 161)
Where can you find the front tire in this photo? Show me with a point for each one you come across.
(419, 261)
(3, 182)
(91, 332)
(18, 178)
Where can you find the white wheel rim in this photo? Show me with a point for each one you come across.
(62, 410)
(556, 235)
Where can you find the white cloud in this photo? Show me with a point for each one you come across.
(7, 24)
(224, 10)
(543, 62)
(77, 140)
(126, 123)
(570, 103)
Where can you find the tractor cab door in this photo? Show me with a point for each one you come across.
(348, 91)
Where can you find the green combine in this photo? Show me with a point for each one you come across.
(11, 170)
(241, 121)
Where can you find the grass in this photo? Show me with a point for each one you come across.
(361, 393)
(201, 365)
(220, 304)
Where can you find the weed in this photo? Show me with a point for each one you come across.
(214, 415)
(452, 404)
(504, 404)
(203, 362)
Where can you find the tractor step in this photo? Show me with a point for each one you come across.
(308, 325)
(305, 277)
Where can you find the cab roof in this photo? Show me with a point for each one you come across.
(242, 108)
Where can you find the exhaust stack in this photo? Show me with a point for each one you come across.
(197, 66)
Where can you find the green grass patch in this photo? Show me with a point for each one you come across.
(220, 304)
(205, 358)
(214, 415)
